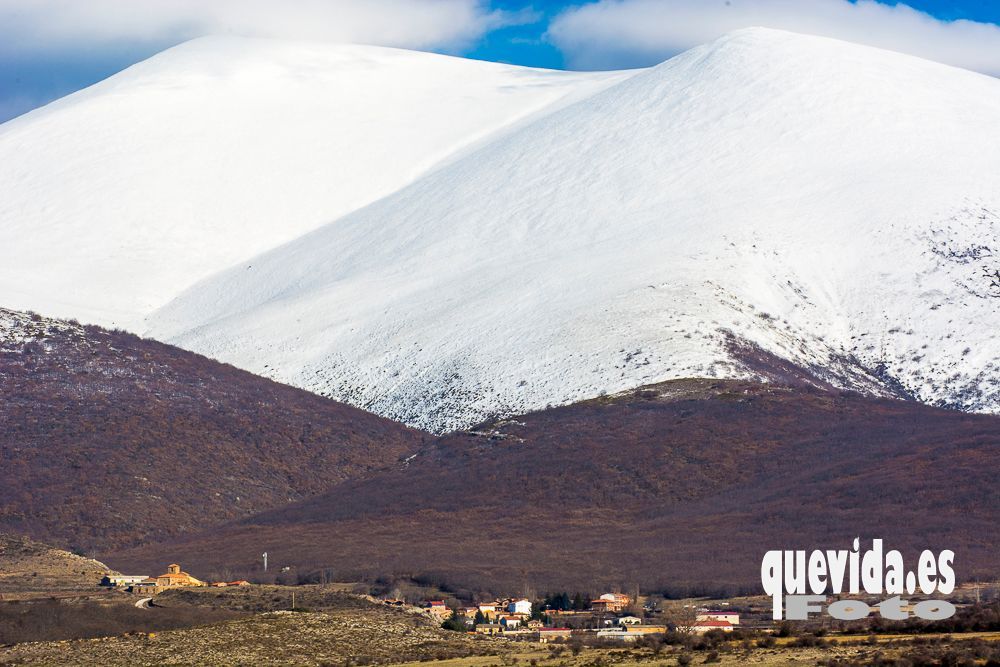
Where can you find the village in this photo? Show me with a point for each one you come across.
(611, 616)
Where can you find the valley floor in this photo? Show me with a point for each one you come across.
(243, 629)
(331, 626)
(328, 638)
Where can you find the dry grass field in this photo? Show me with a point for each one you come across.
(357, 636)
(26, 565)
(384, 637)
(330, 625)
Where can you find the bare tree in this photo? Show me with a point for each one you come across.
(682, 614)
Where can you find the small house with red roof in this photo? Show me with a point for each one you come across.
(701, 627)
(611, 602)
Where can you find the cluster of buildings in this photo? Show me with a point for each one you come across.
(513, 618)
(174, 577)
(509, 614)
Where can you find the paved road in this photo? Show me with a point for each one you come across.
(143, 603)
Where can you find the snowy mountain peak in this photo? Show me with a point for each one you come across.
(116, 198)
(768, 196)
(442, 240)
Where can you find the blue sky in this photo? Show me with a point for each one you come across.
(48, 50)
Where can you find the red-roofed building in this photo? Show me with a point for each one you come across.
(438, 610)
(611, 602)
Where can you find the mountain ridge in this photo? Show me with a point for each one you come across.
(779, 188)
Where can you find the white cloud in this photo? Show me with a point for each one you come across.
(629, 33)
(31, 26)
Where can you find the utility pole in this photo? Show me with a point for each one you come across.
(293, 600)
(265, 561)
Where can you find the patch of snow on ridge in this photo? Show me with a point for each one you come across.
(20, 331)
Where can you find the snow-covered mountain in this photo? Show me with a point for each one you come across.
(116, 198)
(836, 205)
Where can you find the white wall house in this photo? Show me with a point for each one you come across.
(519, 607)
(123, 579)
(510, 622)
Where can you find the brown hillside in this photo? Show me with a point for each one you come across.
(680, 485)
(107, 439)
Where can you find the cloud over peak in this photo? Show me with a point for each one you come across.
(632, 33)
(60, 25)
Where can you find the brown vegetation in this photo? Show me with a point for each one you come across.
(266, 598)
(679, 488)
(107, 439)
(48, 620)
